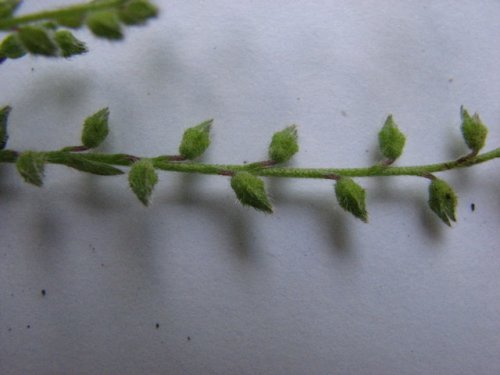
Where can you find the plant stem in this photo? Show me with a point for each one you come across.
(328, 173)
(69, 11)
(174, 164)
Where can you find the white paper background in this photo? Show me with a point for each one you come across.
(308, 290)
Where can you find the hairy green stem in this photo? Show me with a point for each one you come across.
(175, 164)
(69, 11)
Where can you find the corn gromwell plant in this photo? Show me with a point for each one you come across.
(246, 179)
(50, 34)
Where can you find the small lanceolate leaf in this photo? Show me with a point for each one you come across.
(142, 179)
(68, 44)
(30, 165)
(12, 47)
(37, 41)
(351, 197)
(116, 159)
(88, 166)
(195, 140)
(391, 140)
(4, 117)
(137, 12)
(473, 130)
(105, 24)
(284, 145)
(81, 163)
(250, 191)
(95, 128)
(442, 200)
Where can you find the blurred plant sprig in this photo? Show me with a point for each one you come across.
(47, 33)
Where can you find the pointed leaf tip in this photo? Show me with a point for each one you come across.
(442, 200)
(95, 128)
(30, 165)
(195, 140)
(68, 44)
(474, 131)
(391, 140)
(284, 144)
(351, 197)
(250, 191)
(142, 179)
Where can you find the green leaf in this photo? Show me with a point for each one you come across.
(137, 12)
(95, 128)
(116, 159)
(4, 117)
(391, 140)
(68, 44)
(82, 163)
(250, 191)
(284, 145)
(105, 24)
(30, 165)
(142, 179)
(442, 200)
(473, 130)
(12, 47)
(8, 7)
(351, 197)
(195, 140)
(37, 41)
